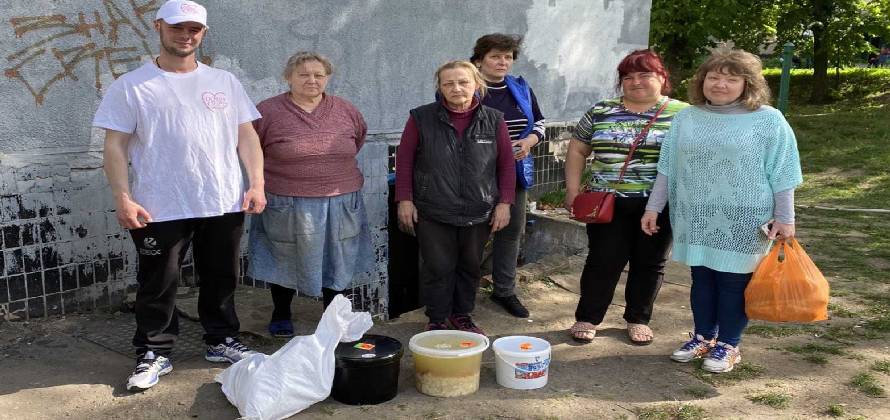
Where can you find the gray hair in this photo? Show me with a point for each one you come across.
(303, 57)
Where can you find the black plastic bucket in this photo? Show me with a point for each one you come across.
(367, 371)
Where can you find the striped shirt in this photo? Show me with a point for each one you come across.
(610, 129)
(498, 97)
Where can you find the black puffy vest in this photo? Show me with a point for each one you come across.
(455, 182)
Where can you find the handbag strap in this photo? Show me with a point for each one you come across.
(640, 137)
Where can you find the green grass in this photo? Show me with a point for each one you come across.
(776, 331)
(840, 311)
(775, 400)
(816, 348)
(848, 336)
(816, 353)
(698, 391)
(843, 156)
(853, 251)
(836, 410)
(672, 412)
(816, 359)
(867, 384)
(882, 366)
(742, 372)
(552, 199)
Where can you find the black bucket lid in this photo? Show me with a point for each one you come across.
(371, 349)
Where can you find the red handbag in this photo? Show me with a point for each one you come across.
(599, 206)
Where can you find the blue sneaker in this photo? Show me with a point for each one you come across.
(283, 328)
(229, 351)
(149, 367)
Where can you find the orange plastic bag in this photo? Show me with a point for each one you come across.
(792, 289)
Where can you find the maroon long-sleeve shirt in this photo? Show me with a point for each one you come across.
(506, 167)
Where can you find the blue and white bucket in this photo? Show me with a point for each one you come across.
(521, 362)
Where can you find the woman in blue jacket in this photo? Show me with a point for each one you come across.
(494, 55)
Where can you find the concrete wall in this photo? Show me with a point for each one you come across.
(62, 248)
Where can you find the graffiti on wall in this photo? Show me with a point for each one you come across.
(108, 39)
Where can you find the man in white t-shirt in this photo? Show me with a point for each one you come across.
(182, 126)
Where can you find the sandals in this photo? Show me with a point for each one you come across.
(639, 334)
(283, 328)
(583, 332)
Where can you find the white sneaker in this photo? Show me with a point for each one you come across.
(692, 349)
(149, 367)
(722, 358)
(229, 351)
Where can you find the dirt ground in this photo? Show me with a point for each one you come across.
(49, 371)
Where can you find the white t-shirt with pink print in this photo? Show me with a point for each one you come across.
(183, 150)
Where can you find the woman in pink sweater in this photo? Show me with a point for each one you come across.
(313, 235)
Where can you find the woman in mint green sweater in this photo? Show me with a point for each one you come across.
(728, 166)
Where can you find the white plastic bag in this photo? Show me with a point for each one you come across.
(297, 375)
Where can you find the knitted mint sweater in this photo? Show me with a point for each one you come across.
(723, 170)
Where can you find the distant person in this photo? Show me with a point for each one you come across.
(181, 126)
(493, 55)
(313, 236)
(455, 182)
(884, 58)
(873, 59)
(609, 131)
(728, 167)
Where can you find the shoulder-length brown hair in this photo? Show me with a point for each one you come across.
(737, 63)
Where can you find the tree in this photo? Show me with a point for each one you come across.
(683, 30)
(826, 30)
(840, 31)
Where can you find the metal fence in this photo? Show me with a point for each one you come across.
(549, 158)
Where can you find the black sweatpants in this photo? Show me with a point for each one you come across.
(614, 245)
(451, 266)
(216, 243)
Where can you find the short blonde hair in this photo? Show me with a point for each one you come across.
(303, 57)
(737, 63)
(469, 67)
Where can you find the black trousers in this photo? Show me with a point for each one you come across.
(451, 266)
(216, 243)
(614, 245)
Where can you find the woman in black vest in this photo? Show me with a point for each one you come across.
(455, 182)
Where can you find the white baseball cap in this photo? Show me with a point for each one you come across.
(178, 11)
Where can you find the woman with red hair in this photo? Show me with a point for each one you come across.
(624, 134)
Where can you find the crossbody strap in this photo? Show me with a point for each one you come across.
(640, 137)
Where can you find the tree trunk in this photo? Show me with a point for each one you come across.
(819, 95)
(822, 12)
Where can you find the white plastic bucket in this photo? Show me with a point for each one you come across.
(522, 362)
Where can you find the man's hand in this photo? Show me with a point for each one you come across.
(130, 214)
(254, 201)
(407, 217)
(501, 217)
